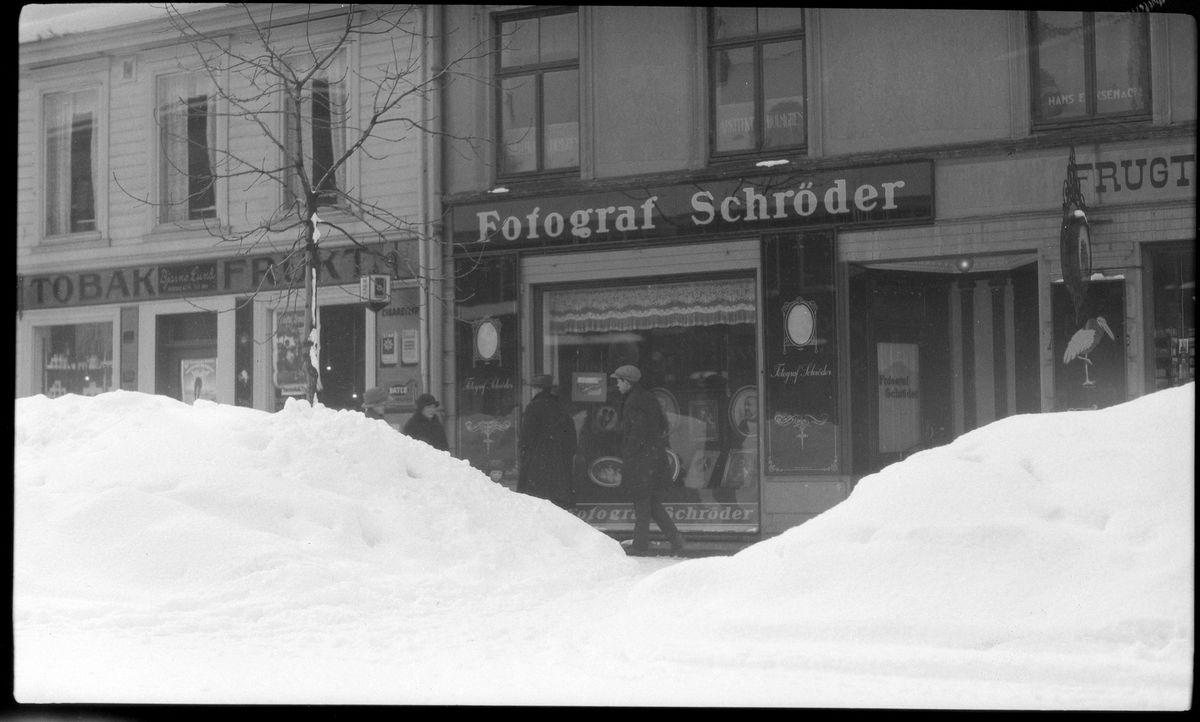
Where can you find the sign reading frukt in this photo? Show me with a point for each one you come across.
(874, 194)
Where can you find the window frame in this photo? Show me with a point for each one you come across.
(1091, 116)
(349, 59)
(538, 71)
(99, 161)
(755, 41)
(159, 162)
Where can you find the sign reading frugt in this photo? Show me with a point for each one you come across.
(875, 194)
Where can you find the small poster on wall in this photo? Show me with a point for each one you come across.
(198, 379)
(290, 377)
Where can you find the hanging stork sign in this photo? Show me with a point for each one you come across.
(1075, 241)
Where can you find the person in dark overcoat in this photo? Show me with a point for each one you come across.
(424, 425)
(547, 447)
(644, 466)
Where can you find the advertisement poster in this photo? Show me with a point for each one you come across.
(198, 379)
(290, 377)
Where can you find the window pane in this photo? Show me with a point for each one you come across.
(774, 20)
(518, 134)
(187, 134)
(70, 159)
(1060, 85)
(75, 359)
(561, 118)
(733, 82)
(518, 42)
(733, 22)
(694, 344)
(783, 89)
(559, 37)
(323, 139)
(201, 198)
(1121, 63)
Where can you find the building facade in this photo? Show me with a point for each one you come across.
(829, 238)
(145, 261)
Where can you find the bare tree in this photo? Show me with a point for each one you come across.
(284, 73)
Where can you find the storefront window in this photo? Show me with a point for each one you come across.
(1174, 279)
(75, 359)
(695, 343)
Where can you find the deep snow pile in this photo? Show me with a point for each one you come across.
(144, 502)
(205, 553)
(1064, 533)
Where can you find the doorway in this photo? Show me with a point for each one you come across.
(899, 364)
(186, 356)
(343, 356)
(937, 353)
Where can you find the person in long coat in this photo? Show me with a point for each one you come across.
(425, 426)
(547, 447)
(644, 466)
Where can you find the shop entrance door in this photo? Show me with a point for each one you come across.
(186, 356)
(343, 356)
(900, 364)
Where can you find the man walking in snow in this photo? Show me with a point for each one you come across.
(547, 447)
(644, 461)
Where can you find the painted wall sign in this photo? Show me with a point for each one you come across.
(238, 274)
(874, 194)
(1137, 173)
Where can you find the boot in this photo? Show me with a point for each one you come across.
(677, 543)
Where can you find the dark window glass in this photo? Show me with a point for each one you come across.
(201, 197)
(83, 217)
(757, 79)
(1088, 65)
(783, 92)
(560, 115)
(538, 93)
(322, 141)
(519, 139)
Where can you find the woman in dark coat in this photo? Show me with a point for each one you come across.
(425, 425)
(644, 471)
(547, 447)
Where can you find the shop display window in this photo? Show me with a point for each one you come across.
(75, 358)
(1174, 297)
(695, 344)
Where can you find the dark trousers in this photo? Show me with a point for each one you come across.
(647, 506)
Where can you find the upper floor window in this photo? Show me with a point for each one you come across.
(1089, 65)
(321, 121)
(757, 79)
(71, 143)
(187, 129)
(538, 93)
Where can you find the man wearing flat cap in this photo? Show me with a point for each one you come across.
(644, 470)
(547, 447)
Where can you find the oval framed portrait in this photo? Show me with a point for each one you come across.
(800, 323)
(605, 471)
(669, 405)
(743, 410)
(487, 339)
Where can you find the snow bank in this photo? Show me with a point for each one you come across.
(136, 503)
(1062, 533)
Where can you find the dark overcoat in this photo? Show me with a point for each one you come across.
(547, 447)
(428, 430)
(643, 442)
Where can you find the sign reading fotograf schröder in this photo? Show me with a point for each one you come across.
(875, 194)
